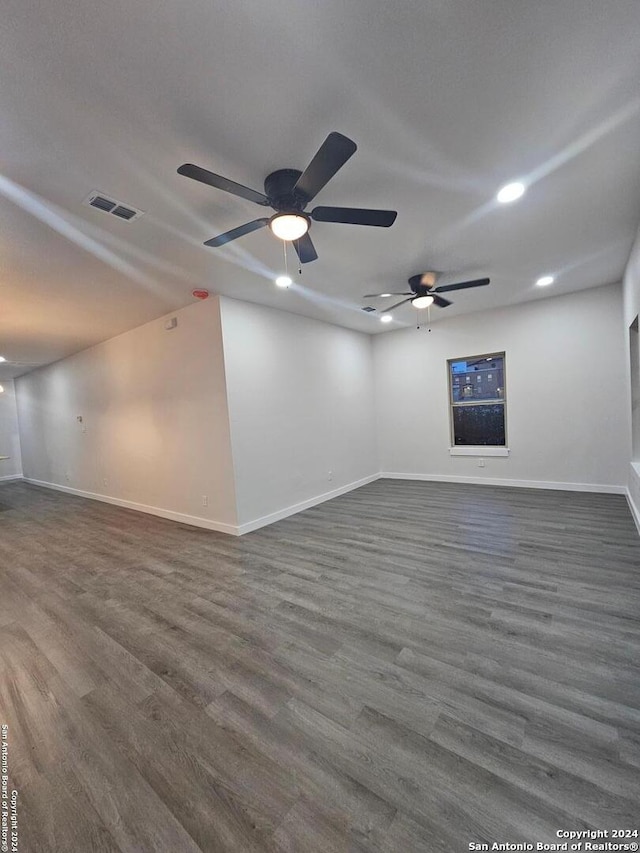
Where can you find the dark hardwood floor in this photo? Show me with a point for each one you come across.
(410, 667)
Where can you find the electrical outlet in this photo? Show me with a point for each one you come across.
(480, 463)
(330, 475)
(67, 477)
(104, 482)
(205, 500)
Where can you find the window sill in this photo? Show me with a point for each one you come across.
(489, 450)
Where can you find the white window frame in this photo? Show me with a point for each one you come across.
(478, 449)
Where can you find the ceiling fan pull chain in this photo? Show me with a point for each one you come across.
(428, 319)
(284, 252)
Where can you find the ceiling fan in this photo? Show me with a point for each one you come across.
(424, 293)
(288, 192)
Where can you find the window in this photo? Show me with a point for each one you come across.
(477, 396)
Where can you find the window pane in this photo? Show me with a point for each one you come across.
(479, 425)
(477, 379)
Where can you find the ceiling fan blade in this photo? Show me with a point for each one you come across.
(378, 295)
(440, 302)
(462, 285)
(354, 216)
(240, 231)
(386, 310)
(329, 158)
(305, 250)
(220, 183)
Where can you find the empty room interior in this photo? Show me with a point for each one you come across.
(319, 426)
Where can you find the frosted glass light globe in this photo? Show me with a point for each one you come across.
(289, 226)
(422, 301)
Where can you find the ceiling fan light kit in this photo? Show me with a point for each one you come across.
(288, 192)
(289, 226)
(422, 301)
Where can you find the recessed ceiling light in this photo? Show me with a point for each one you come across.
(510, 192)
(545, 280)
(2, 358)
(283, 281)
(386, 318)
(422, 301)
(1, 390)
(384, 295)
(289, 226)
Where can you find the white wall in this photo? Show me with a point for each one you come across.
(9, 437)
(298, 426)
(566, 393)
(154, 431)
(631, 288)
(301, 405)
(267, 412)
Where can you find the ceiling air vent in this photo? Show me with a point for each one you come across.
(124, 212)
(102, 203)
(112, 206)
(368, 309)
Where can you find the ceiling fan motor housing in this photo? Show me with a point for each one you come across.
(278, 187)
(423, 282)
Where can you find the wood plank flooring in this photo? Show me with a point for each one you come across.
(410, 667)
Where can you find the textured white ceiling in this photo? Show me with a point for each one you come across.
(446, 99)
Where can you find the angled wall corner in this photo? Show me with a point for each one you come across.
(256, 412)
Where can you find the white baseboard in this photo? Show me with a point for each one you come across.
(8, 477)
(196, 521)
(249, 526)
(182, 518)
(634, 490)
(635, 511)
(520, 484)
